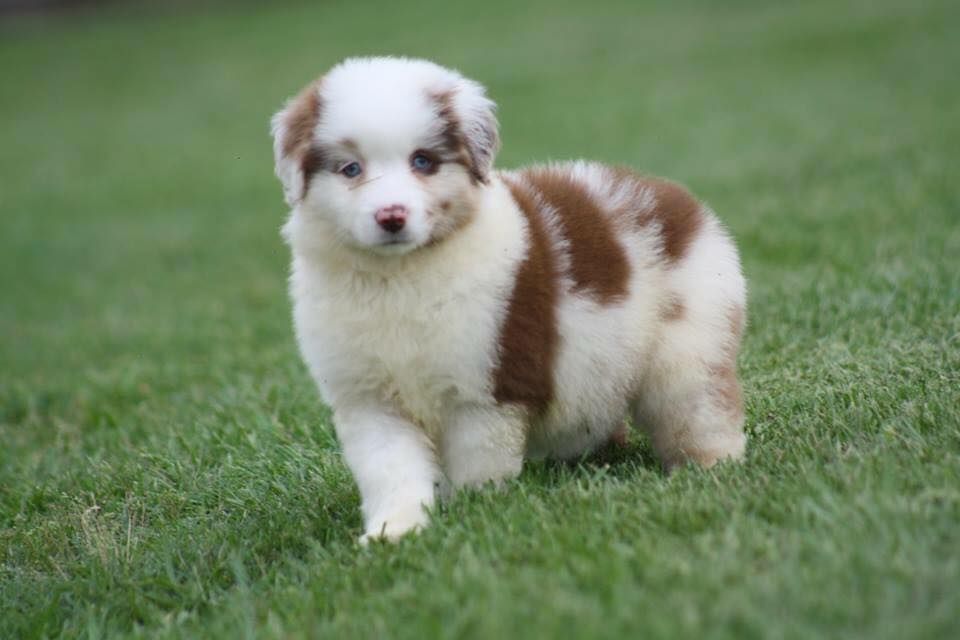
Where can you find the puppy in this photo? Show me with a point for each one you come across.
(459, 319)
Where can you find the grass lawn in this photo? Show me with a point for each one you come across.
(166, 468)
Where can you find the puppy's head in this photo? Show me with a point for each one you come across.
(385, 155)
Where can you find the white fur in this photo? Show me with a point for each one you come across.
(402, 340)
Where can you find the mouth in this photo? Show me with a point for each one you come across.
(394, 246)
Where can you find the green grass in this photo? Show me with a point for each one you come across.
(167, 470)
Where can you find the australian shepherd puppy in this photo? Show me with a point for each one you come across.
(459, 319)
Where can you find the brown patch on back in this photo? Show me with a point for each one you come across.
(678, 213)
(529, 335)
(598, 262)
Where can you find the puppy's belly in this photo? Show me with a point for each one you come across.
(599, 371)
(567, 441)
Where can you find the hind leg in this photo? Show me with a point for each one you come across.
(691, 405)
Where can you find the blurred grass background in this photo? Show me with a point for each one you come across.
(166, 468)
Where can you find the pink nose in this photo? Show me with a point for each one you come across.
(392, 218)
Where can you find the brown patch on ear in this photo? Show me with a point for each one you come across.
(679, 214)
(529, 336)
(454, 146)
(598, 262)
(300, 120)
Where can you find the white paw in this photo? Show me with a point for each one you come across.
(398, 523)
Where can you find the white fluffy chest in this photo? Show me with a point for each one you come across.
(418, 347)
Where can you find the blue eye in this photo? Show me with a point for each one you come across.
(422, 162)
(352, 170)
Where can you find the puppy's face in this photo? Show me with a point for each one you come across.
(385, 155)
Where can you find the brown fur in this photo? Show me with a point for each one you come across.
(351, 145)
(673, 310)
(679, 215)
(451, 216)
(313, 161)
(301, 121)
(727, 392)
(677, 212)
(529, 336)
(598, 262)
(453, 147)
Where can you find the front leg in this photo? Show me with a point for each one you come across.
(393, 463)
(483, 444)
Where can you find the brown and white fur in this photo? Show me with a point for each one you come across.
(459, 319)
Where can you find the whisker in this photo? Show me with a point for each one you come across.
(367, 181)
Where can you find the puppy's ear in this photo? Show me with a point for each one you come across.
(293, 129)
(470, 121)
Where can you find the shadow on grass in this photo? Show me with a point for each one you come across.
(614, 460)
